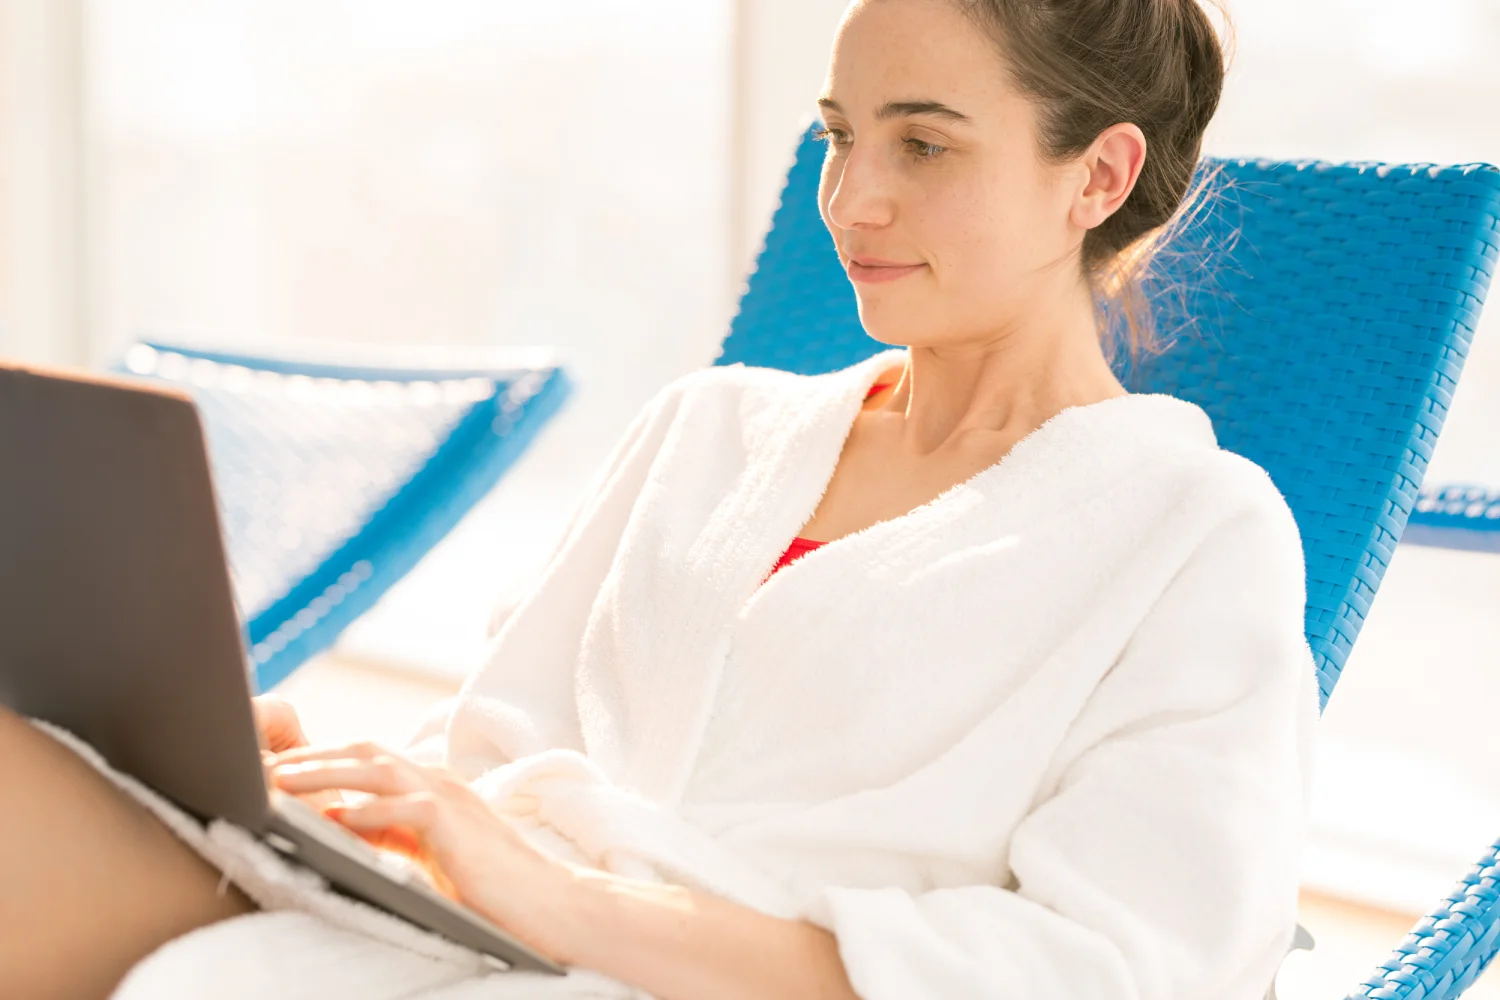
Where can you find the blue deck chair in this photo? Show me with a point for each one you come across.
(1334, 307)
(336, 477)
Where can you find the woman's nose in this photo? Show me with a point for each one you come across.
(861, 197)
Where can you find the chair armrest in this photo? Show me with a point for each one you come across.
(1449, 947)
(1455, 516)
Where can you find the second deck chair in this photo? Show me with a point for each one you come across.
(1456, 516)
(338, 470)
(1331, 311)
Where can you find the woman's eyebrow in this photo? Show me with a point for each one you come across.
(903, 109)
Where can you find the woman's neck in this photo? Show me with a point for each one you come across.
(946, 394)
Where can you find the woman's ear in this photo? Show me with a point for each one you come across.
(1112, 166)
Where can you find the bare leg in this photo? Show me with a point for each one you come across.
(90, 881)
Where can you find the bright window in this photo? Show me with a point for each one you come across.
(462, 172)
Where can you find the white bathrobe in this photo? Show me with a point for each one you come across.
(1046, 736)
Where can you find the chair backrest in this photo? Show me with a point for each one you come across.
(1331, 308)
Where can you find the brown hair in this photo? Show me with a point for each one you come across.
(1090, 64)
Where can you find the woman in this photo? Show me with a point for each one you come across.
(1033, 720)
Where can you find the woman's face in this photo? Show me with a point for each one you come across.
(944, 213)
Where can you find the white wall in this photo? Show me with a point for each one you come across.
(42, 298)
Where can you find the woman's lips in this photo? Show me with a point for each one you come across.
(873, 271)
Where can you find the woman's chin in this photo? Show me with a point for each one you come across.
(889, 324)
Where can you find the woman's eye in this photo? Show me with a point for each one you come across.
(832, 136)
(923, 150)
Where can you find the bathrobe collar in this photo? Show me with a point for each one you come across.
(794, 431)
(807, 421)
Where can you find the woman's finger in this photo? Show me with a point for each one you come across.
(417, 811)
(381, 776)
(318, 800)
(400, 824)
(277, 720)
(398, 839)
(350, 751)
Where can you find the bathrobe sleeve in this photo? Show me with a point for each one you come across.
(1162, 860)
(520, 701)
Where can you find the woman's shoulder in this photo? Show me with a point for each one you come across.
(1203, 478)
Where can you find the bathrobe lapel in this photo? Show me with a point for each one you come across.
(645, 693)
(687, 578)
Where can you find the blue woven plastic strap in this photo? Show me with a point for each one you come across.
(1456, 516)
(334, 480)
(1321, 312)
(1448, 949)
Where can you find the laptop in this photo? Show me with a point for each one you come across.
(118, 623)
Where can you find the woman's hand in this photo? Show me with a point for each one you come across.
(429, 815)
(280, 729)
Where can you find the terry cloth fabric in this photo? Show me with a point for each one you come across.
(800, 545)
(1045, 736)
